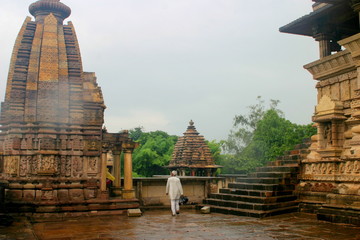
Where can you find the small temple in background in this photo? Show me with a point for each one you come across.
(192, 156)
(53, 147)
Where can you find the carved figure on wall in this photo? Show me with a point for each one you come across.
(13, 165)
(323, 168)
(349, 167)
(77, 166)
(330, 168)
(68, 166)
(356, 167)
(23, 166)
(62, 165)
(327, 135)
(34, 165)
(92, 166)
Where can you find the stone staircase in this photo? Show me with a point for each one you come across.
(267, 191)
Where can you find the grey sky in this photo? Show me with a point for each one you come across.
(161, 63)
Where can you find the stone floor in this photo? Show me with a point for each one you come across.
(190, 224)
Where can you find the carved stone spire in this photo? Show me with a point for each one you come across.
(191, 152)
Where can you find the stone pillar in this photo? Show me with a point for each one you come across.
(324, 44)
(117, 173)
(128, 190)
(104, 193)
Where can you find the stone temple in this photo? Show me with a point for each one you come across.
(192, 156)
(52, 142)
(330, 174)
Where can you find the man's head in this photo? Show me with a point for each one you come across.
(173, 173)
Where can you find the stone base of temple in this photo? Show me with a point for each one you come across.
(338, 208)
(339, 214)
(57, 197)
(45, 211)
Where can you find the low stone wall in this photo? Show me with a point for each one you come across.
(152, 191)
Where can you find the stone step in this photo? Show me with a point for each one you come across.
(253, 199)
(272, 175)
(266, 180)
(283, 162)
(250, 213)
(256, 193)
(267, 187)
(249, 205)
(289, 158)
(339, 214)
(278, 169)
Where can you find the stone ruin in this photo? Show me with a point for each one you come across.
(52, 142)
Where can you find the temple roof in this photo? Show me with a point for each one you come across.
(192, 151)
(45, 7)
(336, 15)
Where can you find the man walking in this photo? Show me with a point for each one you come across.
(174, 190)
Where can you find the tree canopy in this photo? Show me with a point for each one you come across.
(153, 153)
(261, 136)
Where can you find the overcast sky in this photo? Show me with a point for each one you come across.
(161, 63)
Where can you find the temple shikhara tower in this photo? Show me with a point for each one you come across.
(330, 175)
(192, 156)
(52, 142)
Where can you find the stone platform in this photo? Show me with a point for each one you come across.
(190, 224)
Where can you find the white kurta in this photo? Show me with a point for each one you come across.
(174, 188)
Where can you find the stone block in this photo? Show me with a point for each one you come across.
(205, 210)
(90, 193)
(134, 212)
(63, 195)
(29, 195)
(76, 194)
(14, 195)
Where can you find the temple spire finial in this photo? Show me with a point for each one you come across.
(42, 8)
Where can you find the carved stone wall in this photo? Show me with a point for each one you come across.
(52, 115)
(331, 172)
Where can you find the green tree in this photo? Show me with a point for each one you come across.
(244, 126)
(261, 136)
(154, 152)
(274, 135)
(215, 149)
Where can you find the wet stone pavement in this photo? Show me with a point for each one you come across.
(190, 224)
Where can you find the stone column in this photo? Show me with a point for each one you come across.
(104, 193)
(324, 44)
(117, 173)
(128, 190)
